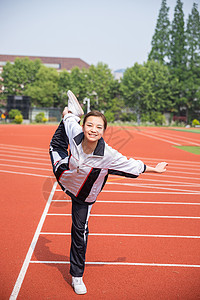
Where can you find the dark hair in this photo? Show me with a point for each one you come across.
(96, 113)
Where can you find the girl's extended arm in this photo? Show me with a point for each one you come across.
(159, 168)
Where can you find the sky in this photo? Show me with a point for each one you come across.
(115, 32)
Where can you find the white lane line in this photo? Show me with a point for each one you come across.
(181, 139)
(176, 138)
(164, 181)
(24, 167)
(22, 153)
(135, 202)
(131, 216)
(168, 160)
(119, 264)
(174, 184)
(149, 192)
(163, 176)
(128, 235)
(181, 172)
(28, 174)
(149, 186)
(29, 254)
(170, 176)
(26, 162)
(159, 181)
(185, 168)
(192, 165)
(145, 192)
(23, 147)
(160, 139)
(25, 157)
(145, 202)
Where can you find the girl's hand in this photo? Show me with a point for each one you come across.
(161, 167)
(65, 111)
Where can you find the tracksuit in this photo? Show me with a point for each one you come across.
(83, 176)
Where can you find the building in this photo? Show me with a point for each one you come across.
(59, 63)
(23, 104)
(118, 74)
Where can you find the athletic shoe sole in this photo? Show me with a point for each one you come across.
(75, 103)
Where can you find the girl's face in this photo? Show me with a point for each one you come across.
(93, 128)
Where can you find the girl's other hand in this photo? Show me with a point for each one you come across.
(161, 167)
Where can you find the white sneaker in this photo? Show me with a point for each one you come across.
(78, 285)
(73, 105)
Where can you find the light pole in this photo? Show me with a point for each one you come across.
(88, 103)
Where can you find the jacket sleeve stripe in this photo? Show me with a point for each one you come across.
(121, 173)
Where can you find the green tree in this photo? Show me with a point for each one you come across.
(100, 83)
(161, 38)
(162, 86)
(132, 87)
(44, 90)
(193, 38)
(116, 106)
(148, 87)
(193, 63)
(96, 83)
(78, 81)
(178, 55)
(178, 41)
(64, 84)
(17, 76)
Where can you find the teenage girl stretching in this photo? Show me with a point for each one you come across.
(81, 163)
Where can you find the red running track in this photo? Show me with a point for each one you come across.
(144, 233)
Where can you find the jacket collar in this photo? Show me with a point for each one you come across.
(99, 150)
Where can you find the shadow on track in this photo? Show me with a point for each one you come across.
(43, 253)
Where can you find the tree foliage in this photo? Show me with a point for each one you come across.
(17, 76)
(161, 38)
(184, 57)
(44, 89)
(193, 38)
(148, 87)
(178, 41)
(192, 82)
(100, 82)
(168, 82)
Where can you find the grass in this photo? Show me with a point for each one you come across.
(191, 149)
(187, 130)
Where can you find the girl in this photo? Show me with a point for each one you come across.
(81, 163)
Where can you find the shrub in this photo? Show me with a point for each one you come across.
(13, 113)
(40, 118)
(145, 118)
(158, 118)
(110, 116)
(195, 122)
(18, 119)
(128, 117)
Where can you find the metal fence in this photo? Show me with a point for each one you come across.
(51, 114)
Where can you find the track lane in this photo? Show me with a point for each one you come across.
(128, 250)
(148, 281)
(62, 223)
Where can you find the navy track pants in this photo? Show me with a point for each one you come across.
(79, 237)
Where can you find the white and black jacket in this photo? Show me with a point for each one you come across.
(83, 176)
